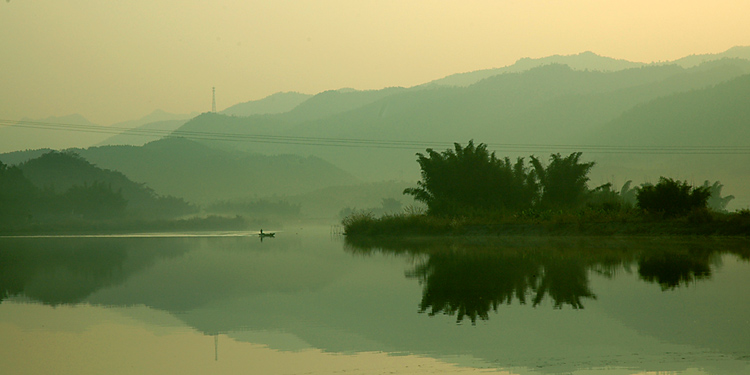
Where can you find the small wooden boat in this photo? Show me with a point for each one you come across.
(266, 234)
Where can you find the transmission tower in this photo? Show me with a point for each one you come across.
(213, 102)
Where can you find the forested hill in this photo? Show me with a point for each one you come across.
(715, 116)
(58, 173)
(198, 173)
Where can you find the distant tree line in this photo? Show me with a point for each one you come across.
(472, 181)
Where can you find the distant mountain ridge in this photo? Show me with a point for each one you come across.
(551, 104)
(149, 128)
(583, 61)
(201, 174)
(277, 103)
(75, 131)
(155, 116)
(143, 134)
(737, 52)
(544, 106)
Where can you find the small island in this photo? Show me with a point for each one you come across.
(468, 191)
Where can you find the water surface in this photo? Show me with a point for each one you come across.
(307, 302)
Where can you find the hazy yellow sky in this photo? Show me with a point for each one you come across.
(119, 60)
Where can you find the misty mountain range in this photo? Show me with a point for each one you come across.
(536, 106)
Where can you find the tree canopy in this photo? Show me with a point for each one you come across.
(672, 197)
(470, 179)
(563, 181)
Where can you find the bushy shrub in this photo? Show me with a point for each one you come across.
(471, 181)
(563, 181)
(672, 198)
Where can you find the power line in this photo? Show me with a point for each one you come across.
(375, 143)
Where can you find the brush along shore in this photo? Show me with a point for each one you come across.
(628, 223)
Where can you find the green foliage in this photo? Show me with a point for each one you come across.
(672, 198)
(96, 200)
(716, 202)
(17, 194)
(604, 198)
(470, 180)
(563, 181)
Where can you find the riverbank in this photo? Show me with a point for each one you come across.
(551, 224)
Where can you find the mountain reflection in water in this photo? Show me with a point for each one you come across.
(469, 278)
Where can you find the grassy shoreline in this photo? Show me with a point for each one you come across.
(550, 224)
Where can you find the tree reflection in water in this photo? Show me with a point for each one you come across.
(671, 269)
(470, 278)
(471, 286)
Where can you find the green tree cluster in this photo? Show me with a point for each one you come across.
(563, 181)
(471, 180)
(672, 197)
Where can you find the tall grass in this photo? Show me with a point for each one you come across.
(587, 221)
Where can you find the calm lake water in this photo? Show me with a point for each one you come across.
(308, 302)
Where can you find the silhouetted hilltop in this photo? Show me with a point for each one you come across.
(737, 52)
(58, 172)
(582, 61)
(277, 103)
(199, 173)
(18, 157)
(332, 102)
